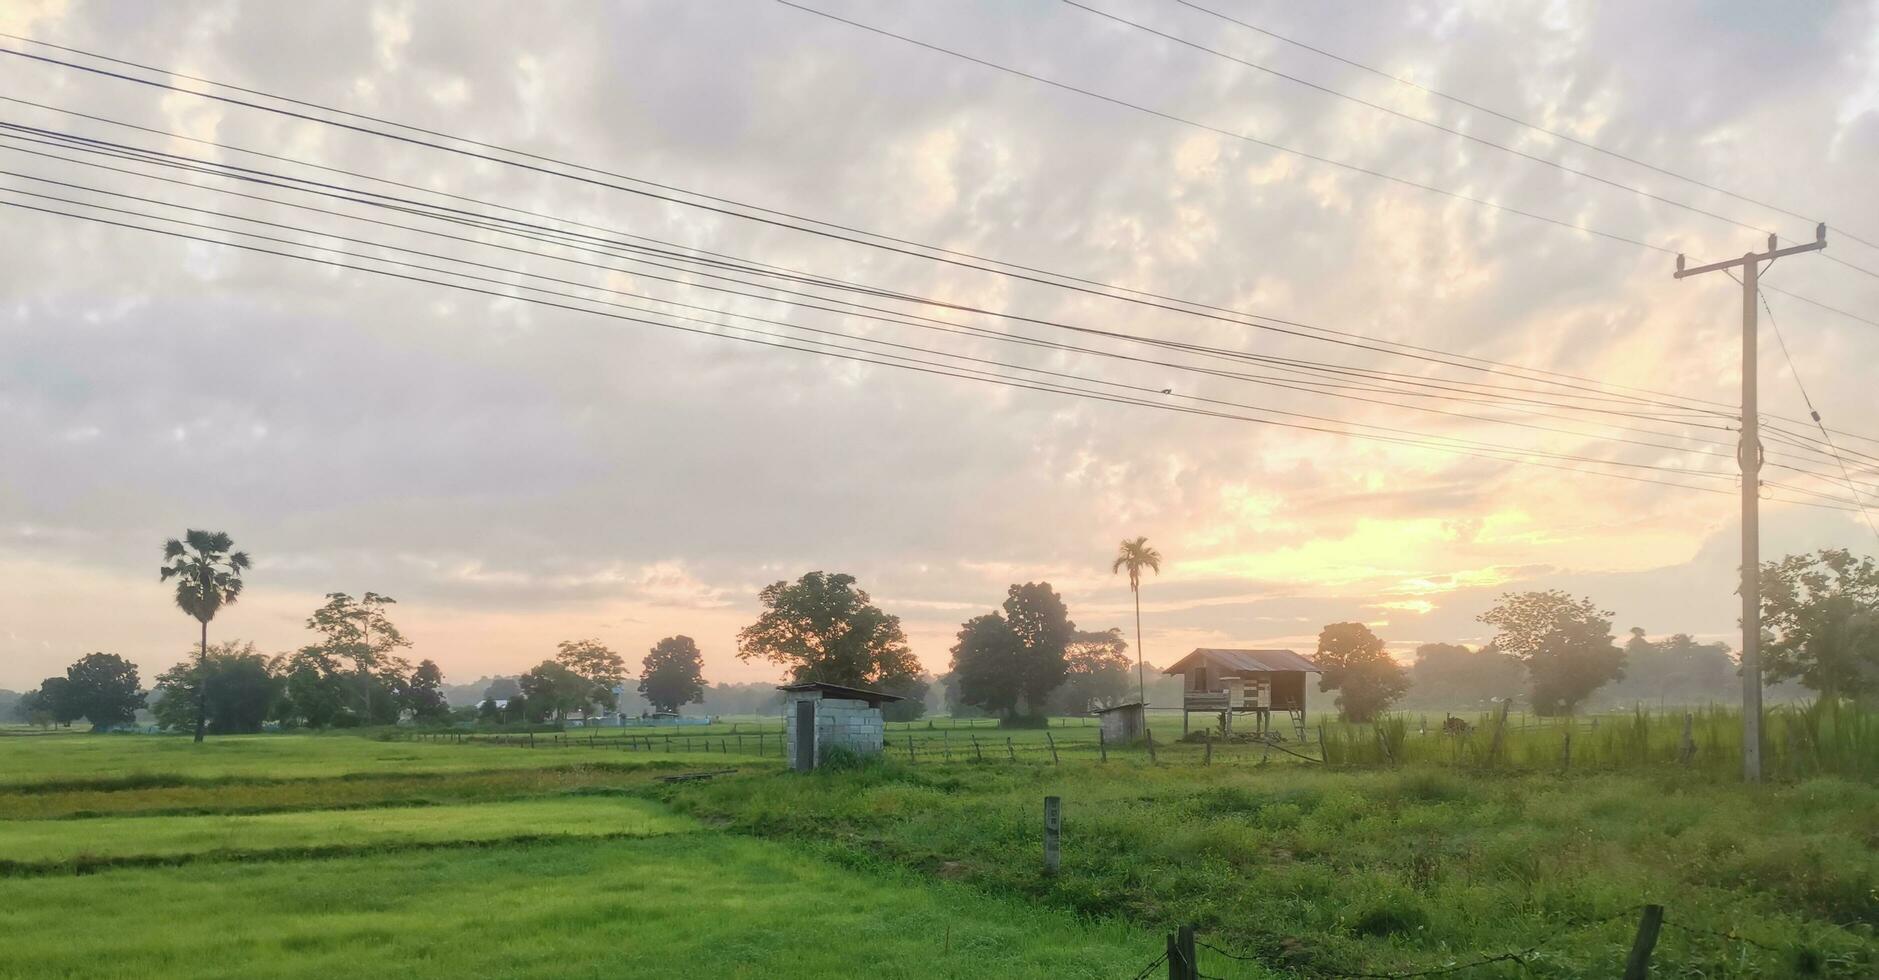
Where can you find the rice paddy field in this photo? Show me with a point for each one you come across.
(445, 855)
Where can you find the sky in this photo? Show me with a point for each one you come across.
(516, 474)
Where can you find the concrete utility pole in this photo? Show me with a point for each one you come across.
(1749, 456)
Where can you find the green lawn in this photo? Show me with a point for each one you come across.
(108, 761)
(692, 905)
(53, 842)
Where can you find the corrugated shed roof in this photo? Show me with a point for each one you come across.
(1266, 661)
(839, 691)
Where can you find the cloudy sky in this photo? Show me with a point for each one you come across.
(517, 474)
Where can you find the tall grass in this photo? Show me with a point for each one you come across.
(1798, 741)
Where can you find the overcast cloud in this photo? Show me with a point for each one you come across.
(517, 475)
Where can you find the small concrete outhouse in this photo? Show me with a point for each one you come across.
(818, 717)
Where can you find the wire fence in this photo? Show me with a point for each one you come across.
(1182, 953)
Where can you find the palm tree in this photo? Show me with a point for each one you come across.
(208, 577)
(1136, 555)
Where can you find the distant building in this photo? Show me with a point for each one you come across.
(1123, 723)
(1244, 682)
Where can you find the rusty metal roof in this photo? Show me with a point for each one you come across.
(1246, 661)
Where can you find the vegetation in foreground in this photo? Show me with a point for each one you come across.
(1326, 871)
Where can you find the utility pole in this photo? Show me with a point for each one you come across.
(1749, 455)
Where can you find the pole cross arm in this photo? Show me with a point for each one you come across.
(1819, 242)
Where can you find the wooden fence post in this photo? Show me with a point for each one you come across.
(1565, 752)
(1148, 735)
(1053, 748)
(1102, 745)
(1500, 731)
(1010, 752)
(1322, 757)
(1638, 964)
(1207, 754)
(976, 751)
(1053, 830)
(910, 758)
(1686, 751)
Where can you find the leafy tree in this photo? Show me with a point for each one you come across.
(673, 674)
(208, 576)
(605, 670)
(1449, 675)
(1823, 612)
(501, 689)
(243, 691)
(912, 688)
(554, 689)
(1135, 555)
(1355, 664)
(34, 708)
(1675, 670)
(360, 631)
(1096, 672)
(488, 712)
(424, 694)
(54, 700)
(822, 628)
(104, 689)
(1015, 660)
(315, 688)
(1566, 645)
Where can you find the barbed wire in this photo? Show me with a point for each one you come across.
(1150, 968)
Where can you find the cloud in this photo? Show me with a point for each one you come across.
(517, 475)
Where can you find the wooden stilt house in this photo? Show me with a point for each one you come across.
(1253, 683)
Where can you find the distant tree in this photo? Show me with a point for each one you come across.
(1566, 645)
(1012, 662)
(360, 631)
(315, 687)
(1823, 612)
(208, 576)
(822, 628)
(501, 689)
(553, 688)
(33, 708)
(1096, 672)
(104, 689)
(424, 694)
(1135, 555)
(54, 700)
(912, 688)
(604, 670)
(243, 691)
(489, 712)
(673, 674)
(1355, 664)
(1675, 670)
(1451, 676)
(517, 709)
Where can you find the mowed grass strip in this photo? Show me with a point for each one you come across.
(108, 762)
(710, 905)
(358, 791)
(36, 846)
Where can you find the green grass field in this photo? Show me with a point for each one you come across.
(301, 855)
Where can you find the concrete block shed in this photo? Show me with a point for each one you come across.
(818, 717)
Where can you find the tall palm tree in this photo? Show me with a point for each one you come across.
(208, 577)
(1136, 555)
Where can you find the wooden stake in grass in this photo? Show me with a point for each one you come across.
(977, 753)
(1638, 964)
(1102, 745)
(1565, 752)
(1053, 829)
(1207, 754)
(1686, 750)
(1053, 748)
(1149, 735)
(1010, 752)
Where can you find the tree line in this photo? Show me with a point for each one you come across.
(1023, 660)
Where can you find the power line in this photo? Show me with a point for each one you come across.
(1556, 134)
(1319, 389)
(72, 141)
(1432, 124)
(1795, 372)
(1098, 288)
(1445, 441)
(1502, 454)
(1221, 131)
